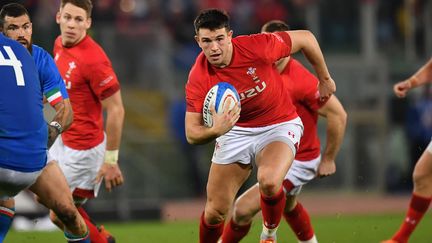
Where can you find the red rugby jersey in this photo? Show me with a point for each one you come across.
(251, 71)
(89, 78)
(303, 88)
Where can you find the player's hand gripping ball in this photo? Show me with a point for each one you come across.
(219, 95)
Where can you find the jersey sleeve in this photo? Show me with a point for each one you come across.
(103, 79)
(53, 85)
(195, 93)
(272, 46)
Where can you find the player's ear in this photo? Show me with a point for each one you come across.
(58, 17)
(197, 40)
(230, 33)
(88, 23)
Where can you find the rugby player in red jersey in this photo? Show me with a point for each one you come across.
(308, 163)
(422, 175)
(265, 131)
(86, 152)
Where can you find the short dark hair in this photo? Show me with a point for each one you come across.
(275, 25)
(84, 4)
(212, 19)
(12, 10)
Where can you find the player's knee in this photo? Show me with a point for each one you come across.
(422, 180)
(216, 216)
(269, 186)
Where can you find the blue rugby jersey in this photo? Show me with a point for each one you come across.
(23, 130)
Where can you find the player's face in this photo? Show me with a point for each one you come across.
(74, 24)
(216, 45)
(19, 29)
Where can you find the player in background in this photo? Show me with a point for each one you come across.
(422, 175)
(268, 129)
(85, 153)
(16, 24)
(23, 145)
(302, 87)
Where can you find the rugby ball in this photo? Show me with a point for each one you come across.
(219, 95)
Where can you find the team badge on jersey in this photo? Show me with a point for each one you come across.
(72, 66)
(252, 72)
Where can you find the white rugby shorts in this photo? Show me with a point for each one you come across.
(80, 167)
(241, 144)
(300, 173)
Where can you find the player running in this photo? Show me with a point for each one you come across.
(302, 87)
(268, 129)
(422, 174)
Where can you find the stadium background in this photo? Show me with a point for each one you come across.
(369, 45)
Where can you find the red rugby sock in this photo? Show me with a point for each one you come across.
(209, 233)
(299, 221)
(272, 208)
(417, 208)
(233, 232)
(95, 236)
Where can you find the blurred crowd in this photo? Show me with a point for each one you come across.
(133, 29)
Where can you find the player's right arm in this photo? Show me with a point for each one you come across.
(336, 117)
(306, 42)
(421, 77)
(197, 133)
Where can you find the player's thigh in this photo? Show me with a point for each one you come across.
(273, 162)
(12, 182)
(51, 187)
(224, 181)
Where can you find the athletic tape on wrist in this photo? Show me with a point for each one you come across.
(111, 156)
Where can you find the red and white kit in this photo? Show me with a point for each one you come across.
(89, 78)
(264, 100)
(303, 87)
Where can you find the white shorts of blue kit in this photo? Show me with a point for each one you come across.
(12, 182)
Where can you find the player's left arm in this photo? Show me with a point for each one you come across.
(336, 118)
(110, 170)
(305, 41)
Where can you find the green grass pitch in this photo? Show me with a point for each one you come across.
(329, 229)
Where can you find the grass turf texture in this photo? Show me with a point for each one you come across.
(329, 229)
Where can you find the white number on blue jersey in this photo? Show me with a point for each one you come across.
(13, 62)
